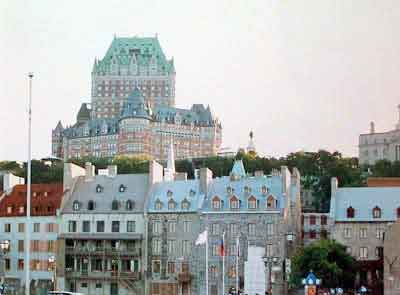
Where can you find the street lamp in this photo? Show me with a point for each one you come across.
(268, 261)
(52, 260)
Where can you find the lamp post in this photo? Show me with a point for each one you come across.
(290, 238)
(52, 261)
(268, 262)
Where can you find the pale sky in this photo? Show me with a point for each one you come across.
(300, 74)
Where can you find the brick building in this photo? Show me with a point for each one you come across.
(133, 112)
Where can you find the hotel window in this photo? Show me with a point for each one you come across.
(313, 234)
(171, 267)
(270, 229)
(234, 203)
(379, 252)
(234, 228)
(21, 227)
(51, 227)
(363, 252)
(380, 233)
(90, 205)
(156, 245)
(72, 226)
(156, 266)
(7, 227)
(51, 246)
(86, 226)
(100, 226)
(35, 245)
(158, 205)
(115, 226)
(21, 209)
(187, 226)
(271, 202)
(215, 250)
(269, 250)
(131, 226)
(7, 264)
(114, 205)
(376, 212)
(312, 219)
(172, 227)
(347, 232)
(186, 246)
(213, 271)
(36, 227)
(171, 204)
(129, 205)
(171, 246)
(76, 206)
(156, 227)
(252, 229)
(324, 220)
(252, 203)
(9, 209)
(232, 250)
(363, 233)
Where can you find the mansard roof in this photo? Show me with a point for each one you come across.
(45, 200)
(142, 50)
(244, 188)
(104, 190)
(179, 191)
(93, 127)
(364, 200)
(135, 106)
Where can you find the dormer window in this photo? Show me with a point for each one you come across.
(264, 190)
(229, 190)
(185, 205)
(247, 189)
(252, 203)
(169, 194)
(171, 204)
(122, 188)
(216, 203)
(192, 193)
(76, 206)
(377, 212)
(130, 205)
(158, 205)
(350, 212)
(271, 202)
(90, 205)
(234, 203)
(114, 205)
(99, 188)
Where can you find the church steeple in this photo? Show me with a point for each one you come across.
(251, 148)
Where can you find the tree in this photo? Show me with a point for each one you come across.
(328, 260)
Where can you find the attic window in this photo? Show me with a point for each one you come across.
(247, 189)
(171, 204)
(264, 190)
(90, 205)
(99, 188)
(76, 206)
(350, 212)
(271, 202)
(122, 188)
(377, 212)
(130, 205)
(169, 193)
(114, 205)
(158, 205)
(192, 192)
(185, 205)
(229, 190)
(252, 203)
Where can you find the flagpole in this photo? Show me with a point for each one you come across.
(223, 263)
(28, 192)
(207, 262)
(237, 264)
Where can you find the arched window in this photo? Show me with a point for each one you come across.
(122, 188)
(216, 203)
(350, 212)
(169, 194)
(76, 206)
(252, 203)
(234, 203)
(130, 205)
(171, 204)
(99, 188)
(114, 205)
(376, 212)
(90, 205)
(398, 212)
(271, 202)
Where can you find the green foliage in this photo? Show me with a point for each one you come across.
(384, 168)
(328, 260)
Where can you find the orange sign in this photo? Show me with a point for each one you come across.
(312, 290)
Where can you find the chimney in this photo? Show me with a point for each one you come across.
(205, 179)
(334, 186)
(372, 128)
(112, 170)
(90, 171)
(285, 179)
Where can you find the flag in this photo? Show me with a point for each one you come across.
(202, 238)
(222, 246)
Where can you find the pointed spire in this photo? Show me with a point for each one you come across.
(59, 126)
(251, 148)
(169, 172)
(238, 170)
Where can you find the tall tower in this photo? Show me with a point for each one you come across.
(251, 148)
(127, 64)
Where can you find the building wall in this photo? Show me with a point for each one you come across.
(315, 226)
(43, 246)
(392, 260)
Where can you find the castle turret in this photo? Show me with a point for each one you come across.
(83, 114)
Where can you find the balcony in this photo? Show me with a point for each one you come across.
(99, 275)
(184, 277)
(100, 251)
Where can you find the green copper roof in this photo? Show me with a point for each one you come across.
(136, 50)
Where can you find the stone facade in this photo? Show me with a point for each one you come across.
(375, 146)
(392, 260)
(133, 111)
(315, 226)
